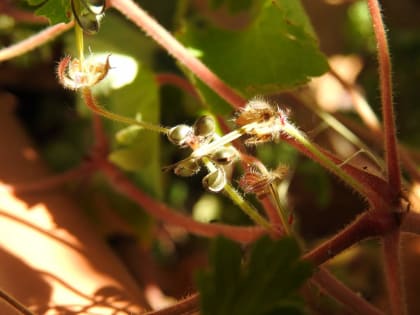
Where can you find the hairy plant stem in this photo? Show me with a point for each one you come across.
(340, 128)
(338, 291)
(393, 277)
(92, 104)
(139, 17)
(79, 42)
(162, 212)
(371, 223)
(391, 150)
(280, 212)
(295, 133)
(34, 41)
(14, 303)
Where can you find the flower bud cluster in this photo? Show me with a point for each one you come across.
(258, 120)
(201, 137)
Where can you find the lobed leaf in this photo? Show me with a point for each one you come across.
(56, 11)
(265, 284)
(278, 50)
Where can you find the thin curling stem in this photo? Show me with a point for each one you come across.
(92, 104)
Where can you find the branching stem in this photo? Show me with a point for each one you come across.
(391, 150)
(295, 133)
(162, 212)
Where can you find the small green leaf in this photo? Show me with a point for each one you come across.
(276, 51)
(265, 284)
(56, 11)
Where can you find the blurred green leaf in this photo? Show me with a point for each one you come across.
(265, 284)
(128, 135)
(233, 5)
(142, 154)
(54, 10)
(276, 51)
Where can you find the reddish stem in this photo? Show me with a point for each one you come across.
(50, 182)
(139, 17)
(176, 80)
(391, 150)
(371, 223)
(34, 41)
(162, 212)
(392, 264)
(332, 287)
(376, 190)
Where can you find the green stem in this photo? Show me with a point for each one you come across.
(233, 194)
(277, 202)
(326, 162)
(79, 42)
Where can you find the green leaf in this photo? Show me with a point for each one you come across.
(141, 154)
(56, 11)
(139, 151)
(128, 135)
(265, 284)
(276, 51)
(233, 5)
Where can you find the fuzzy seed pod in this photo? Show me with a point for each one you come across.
(181, 135)
(187, 168)
(225, 155)
(215, 181)
(204, 127)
